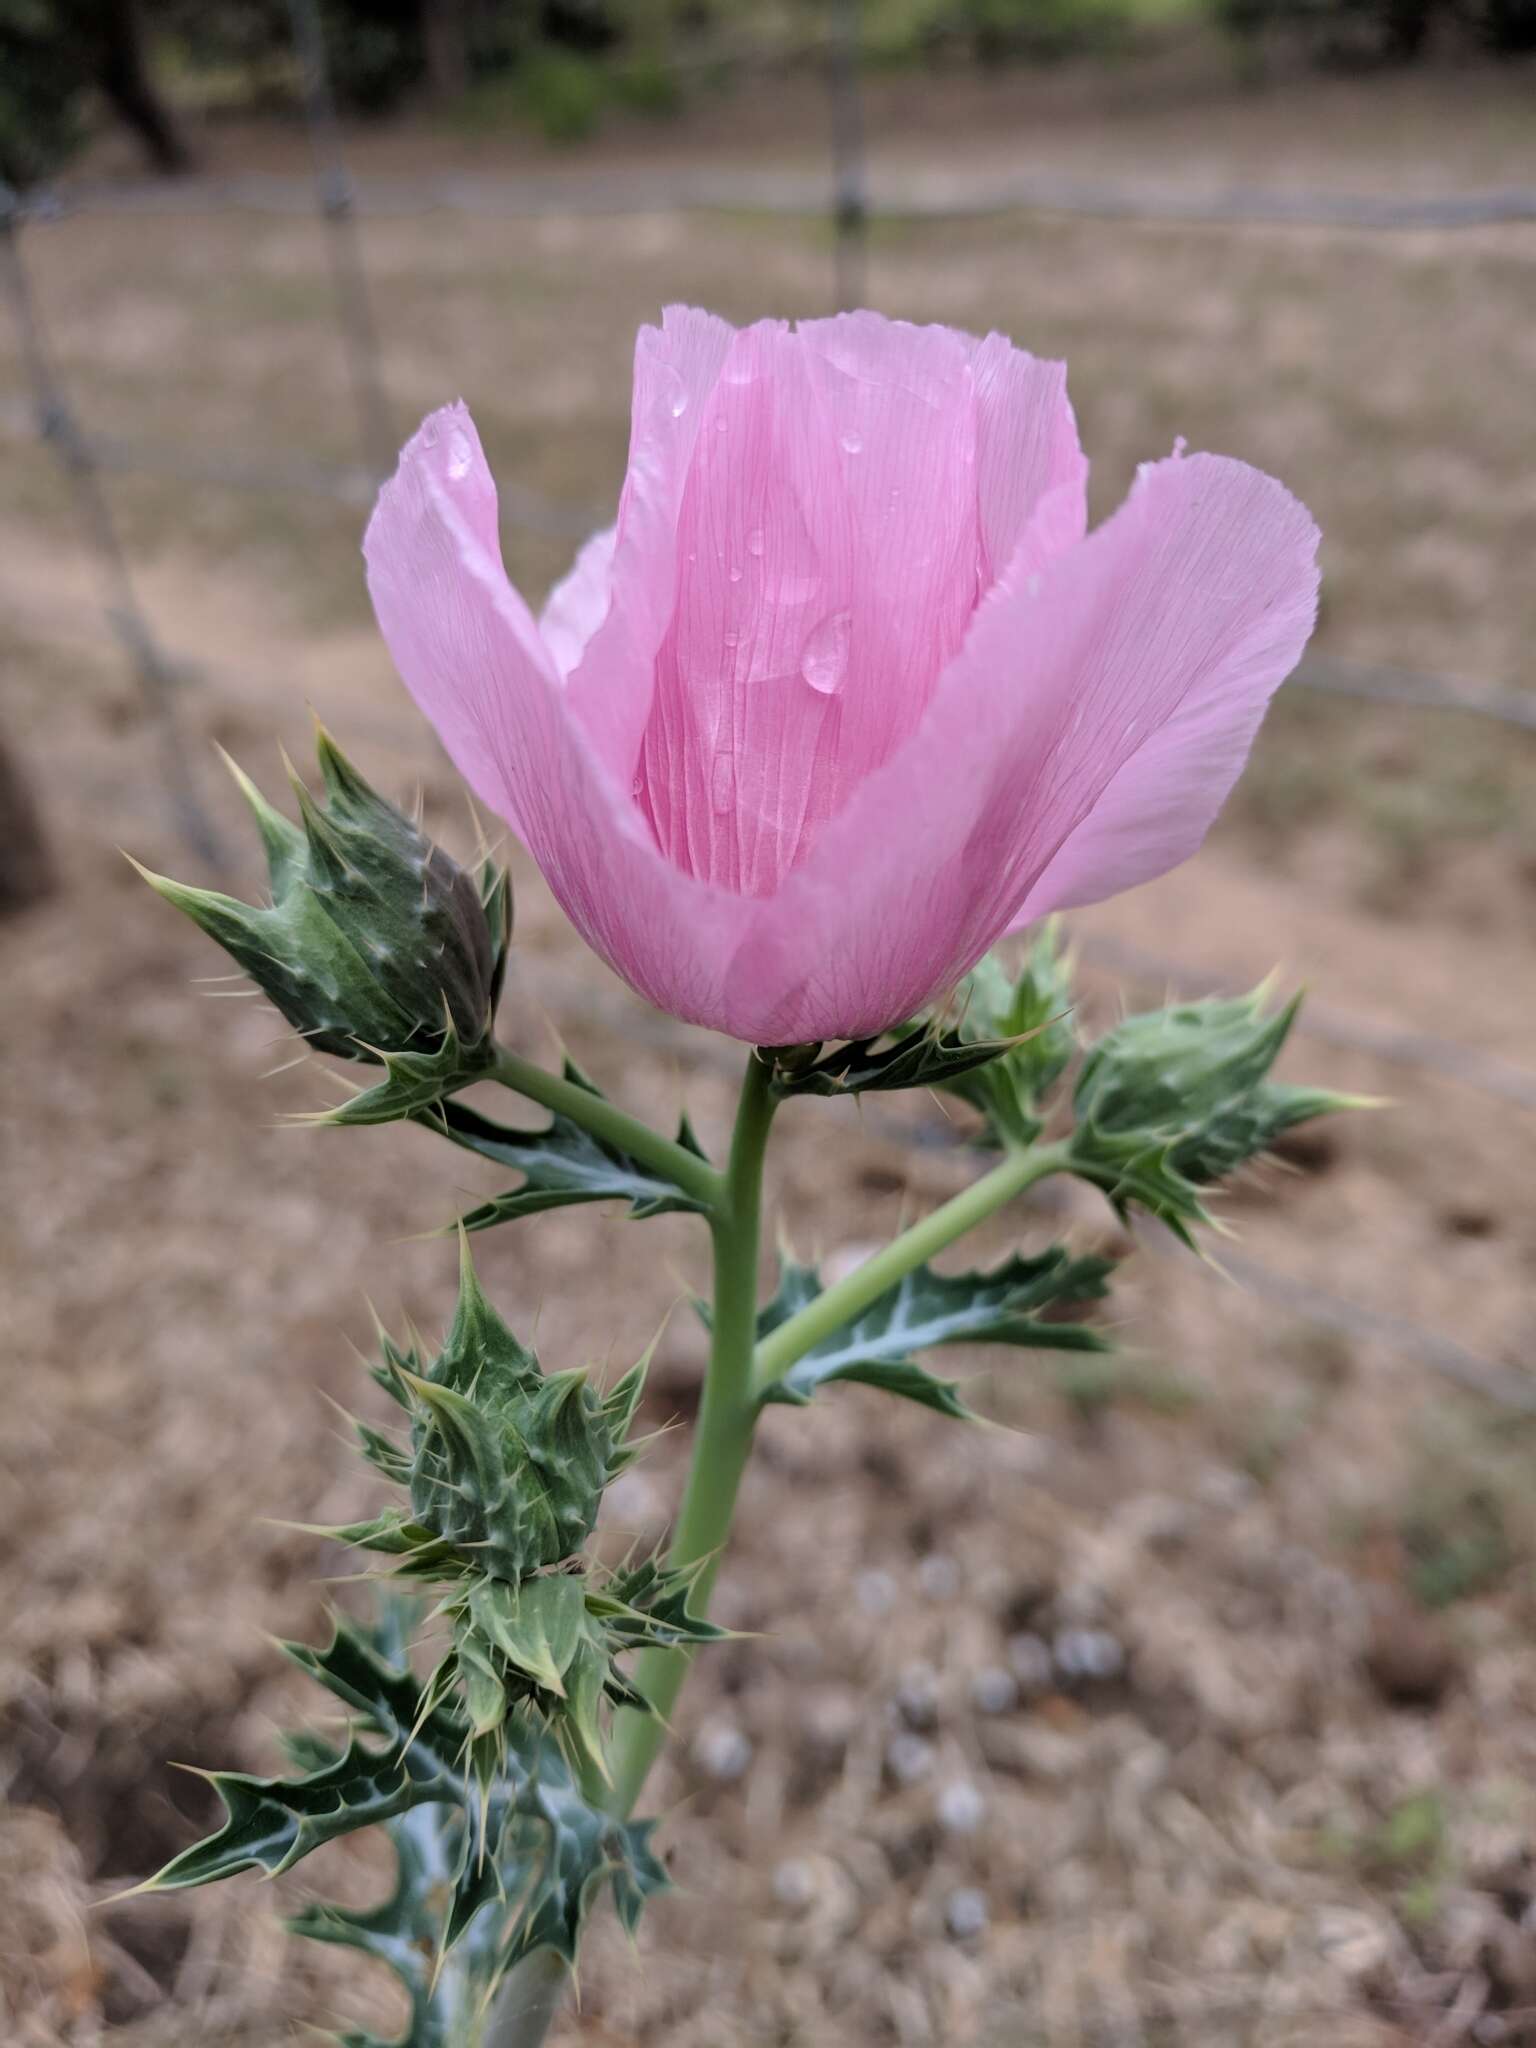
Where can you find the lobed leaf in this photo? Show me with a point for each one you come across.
(560, 1165)
(926, 1310)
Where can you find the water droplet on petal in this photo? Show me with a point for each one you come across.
(722, 789)
(429, 434)
(824, 658)
(679, 402)
(735, 572)
(458, 454)
(853, 444)
(755, 541)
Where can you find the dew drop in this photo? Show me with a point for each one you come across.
(722, 788)
(458, 454)
(732, 641)
(679, 403)
(824, 658)
(735, 572)
(853, 444)
(755, 542)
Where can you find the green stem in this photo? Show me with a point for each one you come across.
(605, 1120)
(828, 1313)
(723, 1435)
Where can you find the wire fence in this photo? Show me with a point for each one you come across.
(852, 198)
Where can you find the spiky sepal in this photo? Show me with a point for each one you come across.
(1171, 1101)
(375, 941)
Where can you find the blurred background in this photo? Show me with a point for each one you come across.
(1196, 1705)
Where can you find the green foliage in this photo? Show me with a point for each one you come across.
(42, 86)
(375, 942)
(488, 1867)
(1172, 1100)
(563, 93)
(560, 1164)
(1031, 1015)
(924, 1310)
(506, 1470)
(506, 1461)
(927, 1056)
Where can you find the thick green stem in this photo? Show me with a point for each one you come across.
(828, 1313)
(723, 1435)
(604, 1120)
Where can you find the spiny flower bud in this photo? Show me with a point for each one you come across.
(375, 939)
(508, 1463)
(1174, 1099)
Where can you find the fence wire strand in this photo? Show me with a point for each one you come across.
(56, 426)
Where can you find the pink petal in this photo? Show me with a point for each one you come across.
(738, 764)
(1027, 449)
(1200, 591)
(468, 651)
(899, 410)
(1157, 808)
(676, 366)
(578, 604)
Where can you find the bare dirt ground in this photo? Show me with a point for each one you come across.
(1301, 1811)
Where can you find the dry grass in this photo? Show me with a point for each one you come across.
(1300, 1814)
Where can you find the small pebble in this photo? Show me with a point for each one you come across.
(1030, 1658)
(917, 1695)
(960, 1807)
(722, 1751)
(1088, 1653)
(965, 1913)
(794, 1884)
(938, 1576)
(875, 1592)
(994, 1690)
(908, 1758)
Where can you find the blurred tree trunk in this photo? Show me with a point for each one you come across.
(446, 48)
(123, 75)
(26, 870)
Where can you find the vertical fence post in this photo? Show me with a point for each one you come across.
(57, 426)
(354, 308)
(850, 203)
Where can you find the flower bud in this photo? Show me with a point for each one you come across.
(1172, 1100)
(375, 940)
(508, 1463)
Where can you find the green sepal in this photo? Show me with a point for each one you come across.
(374, 936)
(561, 1164)
(1171, 1101)
(926, 1309)
(927, 1056)
(1031, 1013)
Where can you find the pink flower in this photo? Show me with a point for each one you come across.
(845, 694)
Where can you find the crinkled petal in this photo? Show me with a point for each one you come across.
(1027, 450)
(676, 366)
(1200, 591)
(468, 651)
(578, 604)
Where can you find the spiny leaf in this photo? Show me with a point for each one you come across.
(414, 1082)
(928, 1056)
(926, 1309)
(560, 1165)
(448, 1993)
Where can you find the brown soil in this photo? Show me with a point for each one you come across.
(1301, 1812)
